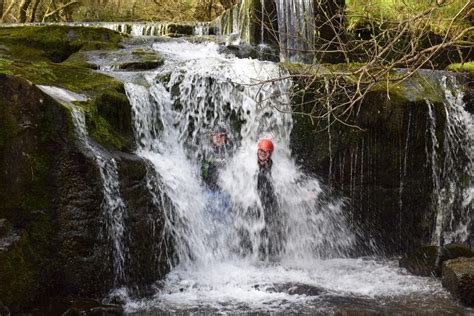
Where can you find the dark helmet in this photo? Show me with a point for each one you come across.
(219, 129)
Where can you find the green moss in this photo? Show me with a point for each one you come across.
(465, 67)
(362, 12)
(54, 43)
(102, 131)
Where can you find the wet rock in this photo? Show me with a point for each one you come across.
(458, 279)
(176, 30)
(260, 52)
(422, 262)
(453, 251)
(147, 249)
(4, 311)
(296, 289)
(140, 65)
(5, 227)
(387, 205)
(428, 260)
(114, 106)
(72, 306)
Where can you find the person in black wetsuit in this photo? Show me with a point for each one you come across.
(272, 236)
(214, 160)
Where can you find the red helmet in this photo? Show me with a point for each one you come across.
(266, 145)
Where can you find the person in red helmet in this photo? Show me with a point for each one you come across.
(265, 150)
(271, 235)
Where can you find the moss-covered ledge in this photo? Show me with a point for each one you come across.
(360, 155)
(53, 55)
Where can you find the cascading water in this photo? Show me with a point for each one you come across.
(217, 235)
(296, 29)
(206, 98)
(452, 175)
(113, 206)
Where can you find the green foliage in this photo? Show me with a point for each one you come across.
(439, 17)
(465, 67)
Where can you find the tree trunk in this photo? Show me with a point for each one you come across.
(7, 11)
(1, 8)
(34, 9)
(23, 10)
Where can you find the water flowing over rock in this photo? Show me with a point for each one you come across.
(296, 29)
(197, 98)
(403, 162)
(137, 223)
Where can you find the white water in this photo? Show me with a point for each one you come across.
(296, 29)
(452, 181)
(215, 271)
(113, 206)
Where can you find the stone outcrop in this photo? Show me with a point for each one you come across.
(458, 279)
(378, 155)
(429, 260)
(52, 240)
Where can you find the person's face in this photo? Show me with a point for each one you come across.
(218, 139)
(263, 155)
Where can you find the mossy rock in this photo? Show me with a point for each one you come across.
(458, 279)
(175, 30)
(422, 262)
(49, 55)
(109, 120)
(140, 65)
(428, 260)
(55, 43)
(453, 251)
(19, 277)
(108, 111)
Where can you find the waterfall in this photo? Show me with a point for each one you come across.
(237, 23)
(296, 27)
(218, 235)
(201, 94)
(453, 173)
(113, 206)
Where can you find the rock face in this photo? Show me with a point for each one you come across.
(383, 164)
(458, 279)
(52, 239)
(428, 260)
(53, 227)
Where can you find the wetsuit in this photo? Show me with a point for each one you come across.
(211, 165)
(272, 237)
(218, 201)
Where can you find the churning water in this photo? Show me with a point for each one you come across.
(220, 236)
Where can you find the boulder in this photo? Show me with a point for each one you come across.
(458, 279)
(422, 262)
(378, 153)
(4, 311)
(5, 227)
(140, 65)
(72, 306)
(428, 260)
